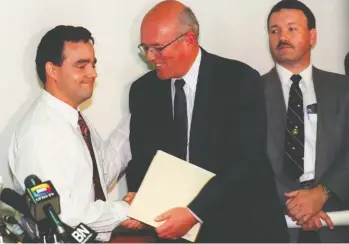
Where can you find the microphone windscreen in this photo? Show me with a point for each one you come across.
(16, 201)
(31, 181)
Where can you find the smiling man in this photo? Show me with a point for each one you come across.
(55, 142)
(308, 126)
(209, 111)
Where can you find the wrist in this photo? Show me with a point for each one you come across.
(324, 191)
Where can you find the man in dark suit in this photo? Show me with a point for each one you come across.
(209, 111)
(308, 126)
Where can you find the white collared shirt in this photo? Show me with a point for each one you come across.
(48, 143)
(191, 79)
(310, 120)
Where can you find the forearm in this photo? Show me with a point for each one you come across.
(100, 216)
(117, 152)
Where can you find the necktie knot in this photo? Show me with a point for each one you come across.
(296, 79)
(179, 83)
(83, 125)
(81, 120)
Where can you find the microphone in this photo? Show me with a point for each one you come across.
(31, 229)
(38, 194)
(16, 201)
(4, 232)
(44, 203)
(16, 228)
(58, 226)
(83, 234)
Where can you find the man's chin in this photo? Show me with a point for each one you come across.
(86, 97)
(284, 59)
(162, 76)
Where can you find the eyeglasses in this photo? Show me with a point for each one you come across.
(145, 49)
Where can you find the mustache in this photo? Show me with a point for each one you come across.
(284, 44)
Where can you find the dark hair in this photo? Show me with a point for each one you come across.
(51, 46)
(294, 4)
(346, 64)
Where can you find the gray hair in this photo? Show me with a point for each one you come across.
(189, 21)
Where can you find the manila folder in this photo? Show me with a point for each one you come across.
(169, 182)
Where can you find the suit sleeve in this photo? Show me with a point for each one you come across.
(140, 150)
(246, 161)
(336, 177)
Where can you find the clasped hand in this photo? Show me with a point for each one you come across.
(304, 206)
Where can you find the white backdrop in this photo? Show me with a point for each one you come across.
(230, 28)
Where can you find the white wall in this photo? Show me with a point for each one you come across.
(230, 28)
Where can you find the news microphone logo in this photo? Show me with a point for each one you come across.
(41, 192)
(83, 234)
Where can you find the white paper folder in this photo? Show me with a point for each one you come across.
(169, 182)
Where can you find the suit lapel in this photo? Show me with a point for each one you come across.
(200, 117)
(166, 120)
(327, 110)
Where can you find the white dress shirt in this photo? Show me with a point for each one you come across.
(310, 119)
(48, 143)
(191, 79)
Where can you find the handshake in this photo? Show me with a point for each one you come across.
(131, 223)
(177, 221)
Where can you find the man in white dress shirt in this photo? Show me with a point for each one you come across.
(308, 126)
(55, 142)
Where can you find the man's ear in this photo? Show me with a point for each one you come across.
(51, 70)
(313, 37)
(190, 38)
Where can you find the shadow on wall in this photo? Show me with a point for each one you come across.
(34, 85)
(346, 64)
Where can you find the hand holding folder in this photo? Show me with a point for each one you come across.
(169, 183)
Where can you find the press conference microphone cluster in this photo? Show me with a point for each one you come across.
(43, 201)
(41, 204)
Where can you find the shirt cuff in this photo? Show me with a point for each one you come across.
(201, 222)
(122, 210)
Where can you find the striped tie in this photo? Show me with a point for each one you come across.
(294, 137)
(99, 194)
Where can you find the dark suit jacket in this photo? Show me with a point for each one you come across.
(227, 137)
(332, 146)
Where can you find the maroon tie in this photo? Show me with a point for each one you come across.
(99, 195)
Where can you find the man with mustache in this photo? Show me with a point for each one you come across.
(308, 126)
(56, 142)
(209, 111)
